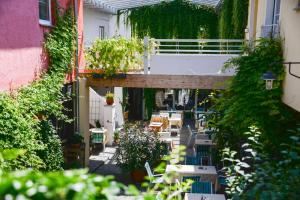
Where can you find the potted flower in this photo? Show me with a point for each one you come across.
(110, 98)
(136, 147)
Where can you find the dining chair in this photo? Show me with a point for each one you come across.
(154, 178)
(193, 178)
(202, 187)
(192, 160)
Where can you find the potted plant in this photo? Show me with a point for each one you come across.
(75, 140)
(136, 147)
(110, 98)
(97, 124)
(117, 137)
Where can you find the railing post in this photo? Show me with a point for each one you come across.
(146, 55)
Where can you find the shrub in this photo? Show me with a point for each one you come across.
(136, 147)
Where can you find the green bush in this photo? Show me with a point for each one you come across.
(25, 114)
(115, 55)
(257, 175)
(137, 147)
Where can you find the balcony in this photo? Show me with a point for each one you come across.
(178, 63)
(190, 57)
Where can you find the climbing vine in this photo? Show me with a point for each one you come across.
(173, 19)
(149, 95)
(25, 115)
(246, 102)
(233, 18)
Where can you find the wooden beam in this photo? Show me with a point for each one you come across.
(162, 81)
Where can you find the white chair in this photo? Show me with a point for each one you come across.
(154, 178)
(164, 114)
(164, 134)
(176, 115)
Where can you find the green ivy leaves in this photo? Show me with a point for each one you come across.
(116, 55)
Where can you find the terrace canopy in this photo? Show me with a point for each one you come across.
(112, 6)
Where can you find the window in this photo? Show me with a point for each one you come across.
(101, 32)
(276, 12)
(45, 12)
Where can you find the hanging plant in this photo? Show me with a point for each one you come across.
(117, 55)
(173, 19)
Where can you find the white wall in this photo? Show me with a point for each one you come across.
(193, 64)
(92, 20)
(119, 29)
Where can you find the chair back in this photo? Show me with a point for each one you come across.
(202, 187)
(164, 134)
(203, 150)
(190, 136)
(176, 115)
(193, 178)
(164, 114)
(148, 169)
(192, 160)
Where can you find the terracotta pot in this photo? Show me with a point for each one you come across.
(138, 175)
(109, 101)
(92, 71)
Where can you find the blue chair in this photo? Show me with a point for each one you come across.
(193, 178)
(202, 187)
(203, 150)
(192, 160)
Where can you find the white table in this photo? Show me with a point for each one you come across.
(194, 196)
(207, 173)
(204, 142)
(175, 121)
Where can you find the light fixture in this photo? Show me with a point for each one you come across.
(269, 77)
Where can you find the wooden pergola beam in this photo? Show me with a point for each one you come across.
(162, 81)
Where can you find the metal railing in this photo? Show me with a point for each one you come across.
(196, 46)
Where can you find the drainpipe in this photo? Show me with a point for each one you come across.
(76, 69)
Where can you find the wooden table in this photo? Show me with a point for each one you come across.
(195, 196)
(204, 142)
(207, 173)
(157, 126)
(175, 121)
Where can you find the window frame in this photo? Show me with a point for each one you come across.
(46, 22)
(102, 32)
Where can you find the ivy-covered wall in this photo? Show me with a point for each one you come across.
(25, 114)
(246, 102)
(174, 19)
(233, 19)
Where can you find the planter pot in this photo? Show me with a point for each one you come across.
(125, 115)
(110, 101)
(138, 175)
(92, 71)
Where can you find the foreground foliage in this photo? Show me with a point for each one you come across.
(257, 175)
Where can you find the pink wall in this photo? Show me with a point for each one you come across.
(21, 38)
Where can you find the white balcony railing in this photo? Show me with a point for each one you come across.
(189, 56)
(198, 46)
